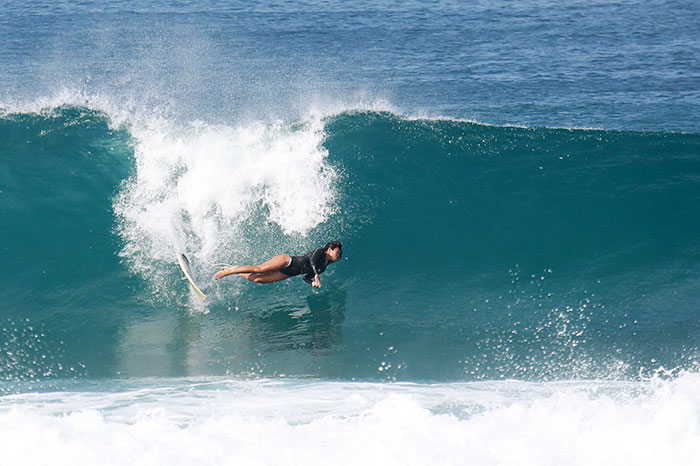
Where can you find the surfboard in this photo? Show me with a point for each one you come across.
(185, 266)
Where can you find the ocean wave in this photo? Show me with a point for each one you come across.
(513, 252)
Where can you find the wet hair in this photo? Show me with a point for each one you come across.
(334, 245)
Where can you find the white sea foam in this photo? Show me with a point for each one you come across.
(195, 185)
(296, 422)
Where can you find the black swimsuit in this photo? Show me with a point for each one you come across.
(309, 265)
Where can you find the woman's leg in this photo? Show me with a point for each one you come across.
(265, 277)
(274, 264)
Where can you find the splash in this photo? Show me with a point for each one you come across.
(197, 188)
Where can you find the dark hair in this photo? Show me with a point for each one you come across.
(334, 245)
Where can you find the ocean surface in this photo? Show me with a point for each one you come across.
(516, 186)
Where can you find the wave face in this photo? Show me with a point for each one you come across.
(471, 252)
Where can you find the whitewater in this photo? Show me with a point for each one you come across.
(281, 421)
(515, 187)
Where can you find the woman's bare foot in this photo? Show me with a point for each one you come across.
(224, 272)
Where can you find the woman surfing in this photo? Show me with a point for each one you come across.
(284, 266)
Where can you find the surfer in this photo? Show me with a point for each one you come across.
(284, 266)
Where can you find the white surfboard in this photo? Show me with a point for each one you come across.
(185, 266)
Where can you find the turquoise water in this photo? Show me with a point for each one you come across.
(472, 252)
(515, 187)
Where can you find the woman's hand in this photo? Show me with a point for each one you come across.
(317, 282)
